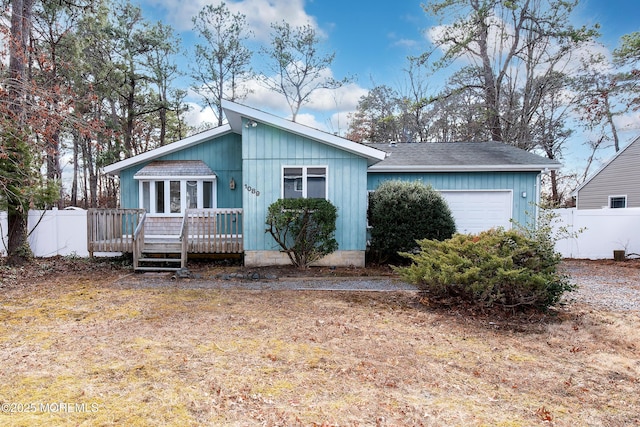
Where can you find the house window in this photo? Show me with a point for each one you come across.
(304, 181)
(174, 196)
(617, 202)
(192, 194)
(207, 194)
(146, 196)
(159, 186)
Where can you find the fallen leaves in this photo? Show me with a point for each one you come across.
(170, 356)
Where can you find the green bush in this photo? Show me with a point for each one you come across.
(496, 268)
(400, 213)
(303, 228)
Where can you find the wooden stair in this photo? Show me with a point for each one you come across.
(161, 254)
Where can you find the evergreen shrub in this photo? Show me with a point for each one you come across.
(303, 228)
(509, 269)
(400, 213)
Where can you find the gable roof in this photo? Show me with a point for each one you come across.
(459, 157)
(175, 168)
(198, 138)
(235, 112)
(603, 167)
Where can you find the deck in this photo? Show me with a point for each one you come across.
(160, 243)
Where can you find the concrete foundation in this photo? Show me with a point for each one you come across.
(336, 259)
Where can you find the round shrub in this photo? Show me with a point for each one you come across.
(400, 213)
(496, 268)
(303, 228)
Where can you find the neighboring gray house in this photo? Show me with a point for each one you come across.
(614, 185)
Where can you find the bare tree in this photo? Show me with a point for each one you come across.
(222, 60)
(299, 68)
(600, 99)
(416, 101)
(628, 55)
(377, 117)
(510, 44)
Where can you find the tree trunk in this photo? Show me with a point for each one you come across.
(76, 171)
(163, 124)
(614, 130)
(555, 197)
(491, 96)
(18, 247)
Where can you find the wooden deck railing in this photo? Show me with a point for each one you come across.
(138, 240)
(184, 239)
(111, 230)
(202, 231)
(214, 230)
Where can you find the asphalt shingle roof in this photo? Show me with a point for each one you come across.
(175, 168)
(460, 155)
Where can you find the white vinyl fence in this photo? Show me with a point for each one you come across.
(605, 230)
(57, 232)
(64, 232)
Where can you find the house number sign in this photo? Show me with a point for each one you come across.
(252, 190)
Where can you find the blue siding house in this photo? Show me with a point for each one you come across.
(209, 193)
(486, 184)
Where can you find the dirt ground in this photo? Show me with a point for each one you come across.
(78, 349)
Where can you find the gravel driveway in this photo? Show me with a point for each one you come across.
(612, 286)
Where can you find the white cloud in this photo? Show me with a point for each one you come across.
(309, 120)
(264, 99)
(500, 39)
(260, 14)
(406, 43)
(629, 121)
(343, 98)
(322, 100)
(197, 116)
(333, 105)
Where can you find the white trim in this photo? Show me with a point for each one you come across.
(626, 200)
(461, 168)
(183, 194)
(176, 177)
(114, 168)
(235, 112)
(304, 179)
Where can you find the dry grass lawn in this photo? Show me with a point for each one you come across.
(77, 349)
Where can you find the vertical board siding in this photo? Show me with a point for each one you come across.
(518, 182)
(266, 150)
(618, 178)
(223, 155)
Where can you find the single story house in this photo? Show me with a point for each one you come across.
(616, 184)
(209, 193)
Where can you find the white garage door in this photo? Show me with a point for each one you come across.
(476, 211)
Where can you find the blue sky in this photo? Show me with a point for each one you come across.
(371, 40)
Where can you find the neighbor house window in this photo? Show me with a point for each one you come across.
(304, 181)
(617, 202)
(174, 196)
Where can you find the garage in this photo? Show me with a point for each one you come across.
(476, 211)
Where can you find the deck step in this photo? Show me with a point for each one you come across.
(157, 268)
(162, 254)
(162, 245)
(159, 260)
(162, 250)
